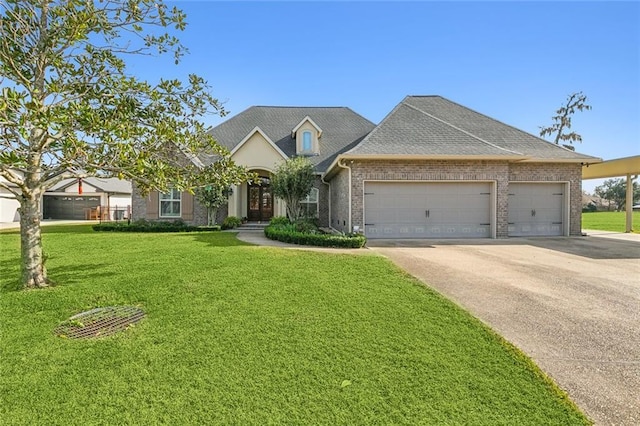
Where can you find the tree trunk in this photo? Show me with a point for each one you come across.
(34, 274)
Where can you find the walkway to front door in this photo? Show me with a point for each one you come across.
(260, 201)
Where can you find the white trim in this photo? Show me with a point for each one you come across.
(493, 197)
(160, 200)
(264, 135)
(304, 120)
(317, 202)
(566, 204)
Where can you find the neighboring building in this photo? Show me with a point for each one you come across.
(8, 205)
(101, 198)
(431, 169)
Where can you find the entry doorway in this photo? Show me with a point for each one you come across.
(260, 201)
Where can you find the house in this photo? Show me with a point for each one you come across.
(431, 169)
(100, 198)
(8, 204)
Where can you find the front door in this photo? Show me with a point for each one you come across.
(260, 200)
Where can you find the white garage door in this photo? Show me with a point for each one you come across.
(536, 209)
(427, 210)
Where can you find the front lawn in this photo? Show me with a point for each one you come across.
(238, 334)
(609, 221)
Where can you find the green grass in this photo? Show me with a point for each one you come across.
(238, 334)
(609, 221)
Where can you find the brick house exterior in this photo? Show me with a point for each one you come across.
(431, 168)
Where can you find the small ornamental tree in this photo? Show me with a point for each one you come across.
(562, 121)
(292, 182)
(213, 197)
(69, 107)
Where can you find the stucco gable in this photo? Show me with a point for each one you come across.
(256, 150)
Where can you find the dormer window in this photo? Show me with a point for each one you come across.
(307, 142)
(307, 135)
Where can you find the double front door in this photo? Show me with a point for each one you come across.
(260, 201)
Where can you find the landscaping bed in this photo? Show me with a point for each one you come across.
(305, 232)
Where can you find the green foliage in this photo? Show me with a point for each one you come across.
(615, 190)
(307, 225)
(69, 107)
(292, 182)
(562, 121)
(279, 220)
(290, 233)
(213, 197)
(231, 222)
(239, 335)
(143, 225)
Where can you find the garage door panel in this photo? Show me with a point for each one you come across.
(427, 210)
(536, 209)
(68, 206)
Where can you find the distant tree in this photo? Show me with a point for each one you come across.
(562, 121)
(70, 107)
(292, 181)
(615, 190)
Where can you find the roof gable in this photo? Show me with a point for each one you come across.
(307, 119)
(342, 128)
(248, 137)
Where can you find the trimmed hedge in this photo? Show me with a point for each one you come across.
(146, 226)
(280, 233)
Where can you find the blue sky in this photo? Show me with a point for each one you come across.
(514, 61)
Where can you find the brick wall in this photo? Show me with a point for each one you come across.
(499, 172)
(340, 201)
(555, 172)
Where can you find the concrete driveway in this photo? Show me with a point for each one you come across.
(571, 304)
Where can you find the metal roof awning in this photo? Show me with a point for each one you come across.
(627, 166)
(612, 168)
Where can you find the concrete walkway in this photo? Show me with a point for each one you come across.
(571, 304)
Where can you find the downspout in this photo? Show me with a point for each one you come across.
(343, 166)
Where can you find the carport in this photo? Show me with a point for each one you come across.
(627, 166)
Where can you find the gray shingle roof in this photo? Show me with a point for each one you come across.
(114, 185)
(433, 125)
(342, 129)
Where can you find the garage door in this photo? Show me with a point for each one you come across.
(427, 210)
(68, 207)
(536, 209)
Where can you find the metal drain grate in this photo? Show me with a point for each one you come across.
(99, 322)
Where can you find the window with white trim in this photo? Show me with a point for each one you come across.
(170, 203)
(310, 204)
(307, 141)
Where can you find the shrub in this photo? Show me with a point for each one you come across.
(143, 225)
(279, 220)
(307, 226)
(288, 234)
(231, 222)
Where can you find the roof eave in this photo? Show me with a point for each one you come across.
(441, 157)
(583, 161)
